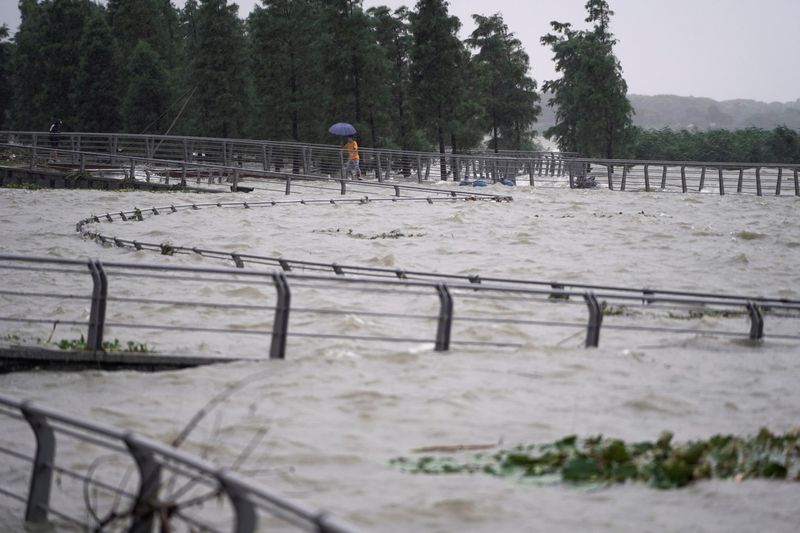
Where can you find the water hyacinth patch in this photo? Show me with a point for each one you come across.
(661, 464)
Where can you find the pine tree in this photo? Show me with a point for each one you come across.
(506, 93)
(393, 34)
(6, 88)
(147, 95)
(47, 59)
(98, 102)
(219, 69)
(355, 68)
(437, 62)
(287, 70)
(594, 114)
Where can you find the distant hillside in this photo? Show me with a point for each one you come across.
(686, 112)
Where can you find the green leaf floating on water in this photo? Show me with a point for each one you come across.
(661, 464)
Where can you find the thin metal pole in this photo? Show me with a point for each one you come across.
(43, 465)
(280, 325)
(445, 323)
(97, 316)
(146, 505)
(595, 320)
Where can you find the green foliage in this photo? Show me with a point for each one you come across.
(97, 102)
(507, 95)
(661, 464)
(751, 145)
(438, 59)
(287, 71)
(219, 69)
(6, 83)
(594, 114)
(147, 91)
(108, 346)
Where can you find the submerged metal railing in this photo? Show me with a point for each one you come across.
(217, 178)
(395, 307)
(535, 168)
(171, 483)
(303, 158)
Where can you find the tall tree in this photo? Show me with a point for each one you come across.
(506, 93)
(47, 59)
(393, 35)
(147, 95)
(287, 70)
(437, 61)
(6, 87)
(98, 102)
(355, 67)
(219, 69)
(594, 114)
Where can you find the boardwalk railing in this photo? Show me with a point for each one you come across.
(302, 158)
(171, 484)
(688, 176)
(535, 168)
(173, 304)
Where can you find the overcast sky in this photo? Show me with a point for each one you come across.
(722, 49)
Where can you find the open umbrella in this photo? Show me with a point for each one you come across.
(342, 128)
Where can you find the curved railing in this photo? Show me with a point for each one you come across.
(171, 484)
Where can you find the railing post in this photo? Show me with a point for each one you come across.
(702, 179)
(97, 317)
(379, 168)
(664, 178)
(683, 178)
(610, 181)
(741, 179)
(796, 183)
(571, 177)
(280, 325)
(721, 183)
(343, 182)
(758, 181)
(419, 169)
(624, 177)
(288, 185)
(146, 505)
(646, 179)
(778, 184)
(43, 465)
(235, 180)
(756, 321)
(445, 318)
(530, 173)
(33, 151)
(246, 517)
(595, 320)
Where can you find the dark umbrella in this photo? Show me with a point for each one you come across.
(342, 128)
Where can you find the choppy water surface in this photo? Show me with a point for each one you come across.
(337, 413)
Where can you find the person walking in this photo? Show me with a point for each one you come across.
(352, 165)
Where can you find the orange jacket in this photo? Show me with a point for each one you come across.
(352, 149)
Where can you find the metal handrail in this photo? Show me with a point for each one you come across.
(447, 292)
(151, 457)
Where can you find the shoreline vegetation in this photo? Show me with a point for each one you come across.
(286, 72)
(662, 464)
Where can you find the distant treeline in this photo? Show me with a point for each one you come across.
(750, 145)
(404, 78)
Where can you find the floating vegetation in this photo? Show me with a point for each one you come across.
(108, 346)
(24, 186)
(393, 234)
(695, 314)
(167, 249)
(661, 464)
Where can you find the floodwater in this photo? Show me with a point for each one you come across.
(336, 412)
